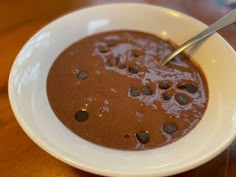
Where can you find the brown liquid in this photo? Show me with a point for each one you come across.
(114, 114)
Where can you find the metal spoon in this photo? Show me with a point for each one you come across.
(221, 23)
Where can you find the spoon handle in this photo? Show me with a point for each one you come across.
(221, 23)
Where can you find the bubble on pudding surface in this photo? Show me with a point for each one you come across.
(139, 114)
(88, 101)
(113, 90)
(97, 72)
(75, 71)
(106, 102)
(103, 110)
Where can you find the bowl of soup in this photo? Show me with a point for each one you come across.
(89, 89)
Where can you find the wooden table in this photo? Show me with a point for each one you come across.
(19, 19)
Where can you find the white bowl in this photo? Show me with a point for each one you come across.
(27, 92)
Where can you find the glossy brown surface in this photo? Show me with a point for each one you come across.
(19, 156)
(92, 77)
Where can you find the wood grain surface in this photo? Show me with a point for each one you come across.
(19, 20)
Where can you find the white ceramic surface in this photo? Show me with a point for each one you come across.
(27, 92)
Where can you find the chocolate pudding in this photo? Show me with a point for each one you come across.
(109, 89)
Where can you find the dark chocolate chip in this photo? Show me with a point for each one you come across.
(147, 90)
(134, 91)
(133, 70)
(169, 127)
(166, 96)
(122, 66)
(143, 137)
(191, 88)
(81, 116)
(103, 49)
(182, 99)
(117, 60)
(82, 75)
(109, 63)
(164, 85)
